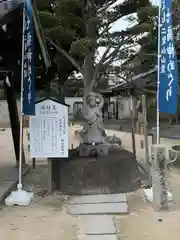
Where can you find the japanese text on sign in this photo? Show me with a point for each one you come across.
(49, 130)
(168, 61)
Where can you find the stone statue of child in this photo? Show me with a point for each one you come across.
(94, 131)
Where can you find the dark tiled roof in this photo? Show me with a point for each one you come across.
(143, 80)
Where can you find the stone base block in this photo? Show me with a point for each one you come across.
(115, 173)
(86, 150)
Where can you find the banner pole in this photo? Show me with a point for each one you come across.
(158, 74)
(21, 197)
(21, 104)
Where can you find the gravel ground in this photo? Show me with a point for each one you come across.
(143, 222)
(46, 217)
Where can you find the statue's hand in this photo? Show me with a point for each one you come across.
(90, 118)
(86, 117)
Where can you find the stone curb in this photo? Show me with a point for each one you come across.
(7, 186)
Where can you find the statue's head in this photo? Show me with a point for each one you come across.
(94, 100)
(91, 100)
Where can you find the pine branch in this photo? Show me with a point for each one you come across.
(131, 84)
(111, 57)
(106, 6)
(71, 59)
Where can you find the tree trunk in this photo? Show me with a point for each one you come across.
(88, 71)
(91, 126)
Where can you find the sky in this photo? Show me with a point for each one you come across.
(119, 25)
(123, 24)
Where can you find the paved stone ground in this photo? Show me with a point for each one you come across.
(99, 210)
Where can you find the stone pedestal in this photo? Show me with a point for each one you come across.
(115, 173)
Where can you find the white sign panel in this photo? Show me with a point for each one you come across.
(49, 130)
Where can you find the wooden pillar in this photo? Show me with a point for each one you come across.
(114, 109)
(154, 135)
(145, 132)
(108, 109)
(13, 115)
(117, 109)
(56, 170)
(50, 187)
(132, 124)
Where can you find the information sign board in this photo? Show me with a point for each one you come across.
(49, 130)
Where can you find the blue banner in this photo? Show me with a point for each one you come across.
(168, 91)
(29, 65)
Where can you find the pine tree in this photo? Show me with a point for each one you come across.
(85, 25)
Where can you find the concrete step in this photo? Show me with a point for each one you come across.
(97, 208)
(101, 237)
(99, 198)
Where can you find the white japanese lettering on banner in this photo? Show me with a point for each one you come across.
(168, 68)
(167, 48)
(28, 55)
